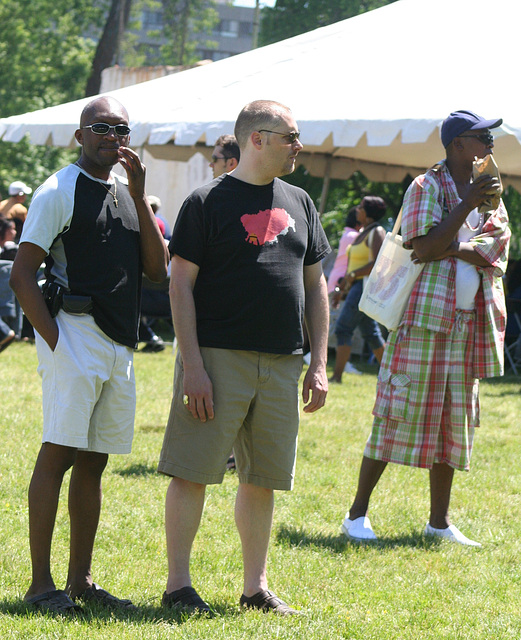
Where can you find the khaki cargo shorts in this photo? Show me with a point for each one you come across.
(256, 409)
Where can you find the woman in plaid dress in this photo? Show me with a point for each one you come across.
(452, 332)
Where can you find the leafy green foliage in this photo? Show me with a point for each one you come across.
(44, 60)
(30, 163)
(292, 17)
(344, 194)
(512, 200)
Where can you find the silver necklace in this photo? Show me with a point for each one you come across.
(114, 195)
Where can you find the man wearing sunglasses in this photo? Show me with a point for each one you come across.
(246, 267)
(225, 156)
(97, 234)
(427, 406)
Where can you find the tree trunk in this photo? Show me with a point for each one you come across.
(108, 44)
(185, 16)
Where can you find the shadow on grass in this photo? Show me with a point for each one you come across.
(145, 614)
(137, 469)
(302, 538)
(151, 428)
(502, 380)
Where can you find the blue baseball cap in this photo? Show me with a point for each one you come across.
(460, 121)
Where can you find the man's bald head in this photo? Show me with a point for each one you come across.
(102, 106)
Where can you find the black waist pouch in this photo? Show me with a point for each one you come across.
(76, 305)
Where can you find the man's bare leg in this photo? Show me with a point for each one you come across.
(183, 511)
(84, 513)
(254, 518)
(370, 473)
(441, 477)
(343, 353)
(44, 491)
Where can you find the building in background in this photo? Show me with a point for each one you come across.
(233, 33)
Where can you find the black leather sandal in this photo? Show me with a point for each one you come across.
(268, 601)
(186, 599)
(104, 598)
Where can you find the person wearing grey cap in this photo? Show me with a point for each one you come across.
(451, 335)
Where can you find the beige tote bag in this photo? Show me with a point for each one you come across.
(390, 283)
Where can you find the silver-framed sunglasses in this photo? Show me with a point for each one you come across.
(102, 128)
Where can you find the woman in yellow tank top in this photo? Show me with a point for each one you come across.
(361, 258)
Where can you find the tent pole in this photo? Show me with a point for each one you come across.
(325, 187)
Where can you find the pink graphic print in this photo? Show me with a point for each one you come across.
(265, 226)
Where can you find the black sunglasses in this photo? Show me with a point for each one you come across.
(292, 137)
(485, 138)
(102, 128)
(215, 158)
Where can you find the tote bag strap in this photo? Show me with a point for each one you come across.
(397, 224)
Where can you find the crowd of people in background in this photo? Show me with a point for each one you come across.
(12, 217)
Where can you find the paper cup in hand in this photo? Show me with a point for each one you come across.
(488, 166)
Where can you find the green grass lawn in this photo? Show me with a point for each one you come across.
(403, 587)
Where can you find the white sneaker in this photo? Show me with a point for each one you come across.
(349, 368)
(358, 529)
(451, 533)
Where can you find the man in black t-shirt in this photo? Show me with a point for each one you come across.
(97, 234)
(246, 269)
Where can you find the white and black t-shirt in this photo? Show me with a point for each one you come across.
(92, 245)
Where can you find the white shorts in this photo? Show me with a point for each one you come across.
(88, 388)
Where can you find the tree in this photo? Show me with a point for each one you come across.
(180, 17)
(44, 60)
(292, 17)
(48, 51)
(108, 44)
(43, 57)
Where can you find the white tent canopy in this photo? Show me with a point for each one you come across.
(369, 93)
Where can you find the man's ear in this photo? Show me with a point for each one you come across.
(233, 162)
(78, 134)
(256, 139)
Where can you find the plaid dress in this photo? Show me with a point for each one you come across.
(427, 402)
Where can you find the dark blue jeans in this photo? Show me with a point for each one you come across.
(350, 317)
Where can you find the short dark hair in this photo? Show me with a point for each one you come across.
(229, 145)
(259, 114)
(374, 206)
(351, 220)
(5, 224)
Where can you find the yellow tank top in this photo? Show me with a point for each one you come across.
(358, 255)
